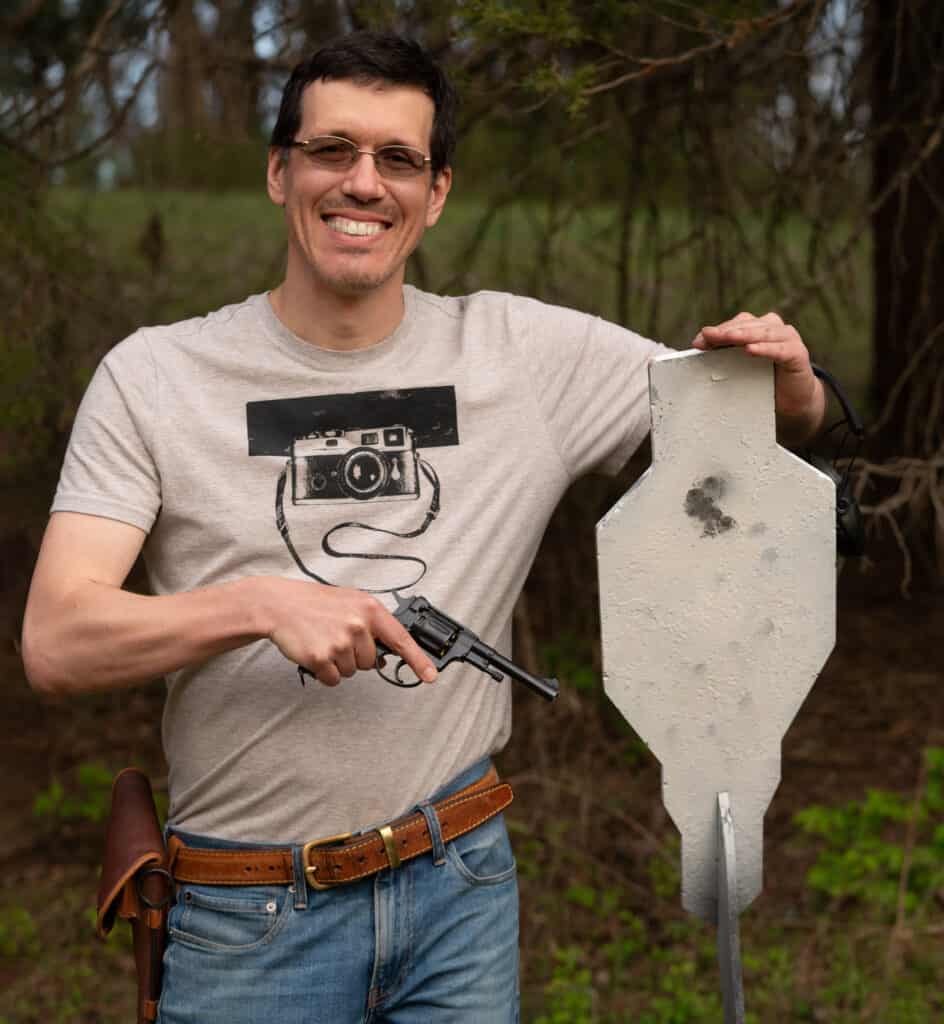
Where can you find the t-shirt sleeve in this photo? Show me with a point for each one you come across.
(110, 467)
(591, 382)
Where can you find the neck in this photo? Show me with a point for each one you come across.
(322, 316)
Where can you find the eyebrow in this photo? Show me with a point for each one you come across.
(344, 135)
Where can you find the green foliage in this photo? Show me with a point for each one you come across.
(19, 935)
(863, 845)
(554, 21)
(769, 976)
(683, 997)
(618, 965)
(569, 660)
(664, 870)
(528, 848)
(87, 798)
(569, 994)
(570, 84)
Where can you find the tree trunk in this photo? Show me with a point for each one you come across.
(236, 71)
(908, 226)
(182, 103)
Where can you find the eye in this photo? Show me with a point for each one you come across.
(330, 151)
(401, 158)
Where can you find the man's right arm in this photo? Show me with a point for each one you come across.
(82, 632)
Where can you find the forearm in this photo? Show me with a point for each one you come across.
(99, 637)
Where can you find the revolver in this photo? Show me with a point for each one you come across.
(446, 640)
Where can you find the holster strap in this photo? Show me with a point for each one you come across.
(341, 860)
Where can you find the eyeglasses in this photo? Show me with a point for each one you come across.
(338, 154)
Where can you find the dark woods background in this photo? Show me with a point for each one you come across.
(661, 163)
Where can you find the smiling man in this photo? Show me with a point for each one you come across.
(286, 466)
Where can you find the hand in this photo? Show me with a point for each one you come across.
(799, 399)
(330, 631)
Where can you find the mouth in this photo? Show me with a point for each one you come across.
(354, 228)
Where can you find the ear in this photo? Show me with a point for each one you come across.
(437, 196)
(275, 174)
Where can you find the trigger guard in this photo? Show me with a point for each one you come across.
(401, 682)
(395, 679)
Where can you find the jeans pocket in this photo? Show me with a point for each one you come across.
(484, 855)
(227, 919)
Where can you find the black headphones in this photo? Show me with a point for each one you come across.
(850, 528)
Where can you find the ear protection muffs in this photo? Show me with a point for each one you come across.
(850, 527)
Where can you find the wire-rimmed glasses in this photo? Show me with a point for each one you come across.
(334, 153)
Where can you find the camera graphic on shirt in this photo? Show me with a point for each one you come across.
(342, 466)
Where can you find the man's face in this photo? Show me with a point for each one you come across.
(328, 210)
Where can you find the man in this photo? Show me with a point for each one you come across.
(278, 463)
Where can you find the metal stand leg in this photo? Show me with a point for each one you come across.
(729, 942)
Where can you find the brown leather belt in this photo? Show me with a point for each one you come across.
(339, 860)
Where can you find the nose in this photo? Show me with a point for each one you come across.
(362, 181)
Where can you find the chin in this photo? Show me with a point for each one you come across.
(358, 282)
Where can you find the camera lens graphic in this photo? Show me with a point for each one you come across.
(363, 473)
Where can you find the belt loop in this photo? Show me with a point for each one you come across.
(300, 883)
(435, 833)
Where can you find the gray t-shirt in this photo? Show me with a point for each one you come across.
(205, 433)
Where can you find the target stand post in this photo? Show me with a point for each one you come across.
(729, 935)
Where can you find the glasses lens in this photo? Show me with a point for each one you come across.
(399, 161)
(331, 152)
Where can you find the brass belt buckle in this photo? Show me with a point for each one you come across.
(312, 869)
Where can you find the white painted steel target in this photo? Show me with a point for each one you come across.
(718, 596)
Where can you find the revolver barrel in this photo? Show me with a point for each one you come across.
(546, 688)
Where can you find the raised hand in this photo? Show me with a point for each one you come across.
(798, 396)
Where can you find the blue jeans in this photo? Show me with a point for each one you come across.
(435, 940)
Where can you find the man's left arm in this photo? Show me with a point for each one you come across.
(799, 398)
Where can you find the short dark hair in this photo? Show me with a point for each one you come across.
(368, 57)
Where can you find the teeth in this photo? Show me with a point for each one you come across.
(354, 227)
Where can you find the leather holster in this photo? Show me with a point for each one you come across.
(135, 883)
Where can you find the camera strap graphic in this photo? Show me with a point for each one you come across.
(431, 514)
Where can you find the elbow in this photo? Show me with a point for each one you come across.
(42, 672)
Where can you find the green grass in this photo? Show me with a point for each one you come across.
(217, 248)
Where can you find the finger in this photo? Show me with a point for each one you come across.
(365, 652)
(720, 335)
(783, 353)
(779, 334)
(759, 332)
(345, 662)
(326, 672)
(742, 319)
(392, 634)
(733, 321)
